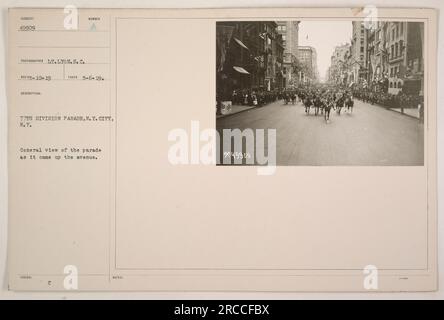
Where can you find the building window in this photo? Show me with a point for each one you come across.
(402, 28)
(362, 49)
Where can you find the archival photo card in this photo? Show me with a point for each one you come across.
(268, 149)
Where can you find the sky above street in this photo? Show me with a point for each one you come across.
(324, 36)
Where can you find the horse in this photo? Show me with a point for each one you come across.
(339, 105)
(349, 104)
(307, 104)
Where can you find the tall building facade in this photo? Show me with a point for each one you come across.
(308, 59)
(358, 51)
(339, 69)
(386, 57)
(289, 30)
(249, 56)
(405, 57)
(290, 35)
(395, 57)
(377, 55)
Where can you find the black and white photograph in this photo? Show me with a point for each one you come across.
(332, 92)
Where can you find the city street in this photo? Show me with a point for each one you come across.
(371, 135)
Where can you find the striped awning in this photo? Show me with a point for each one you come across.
(241, 43)
(240, 70)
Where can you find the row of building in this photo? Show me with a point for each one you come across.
(384, 57)
(261, 55)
